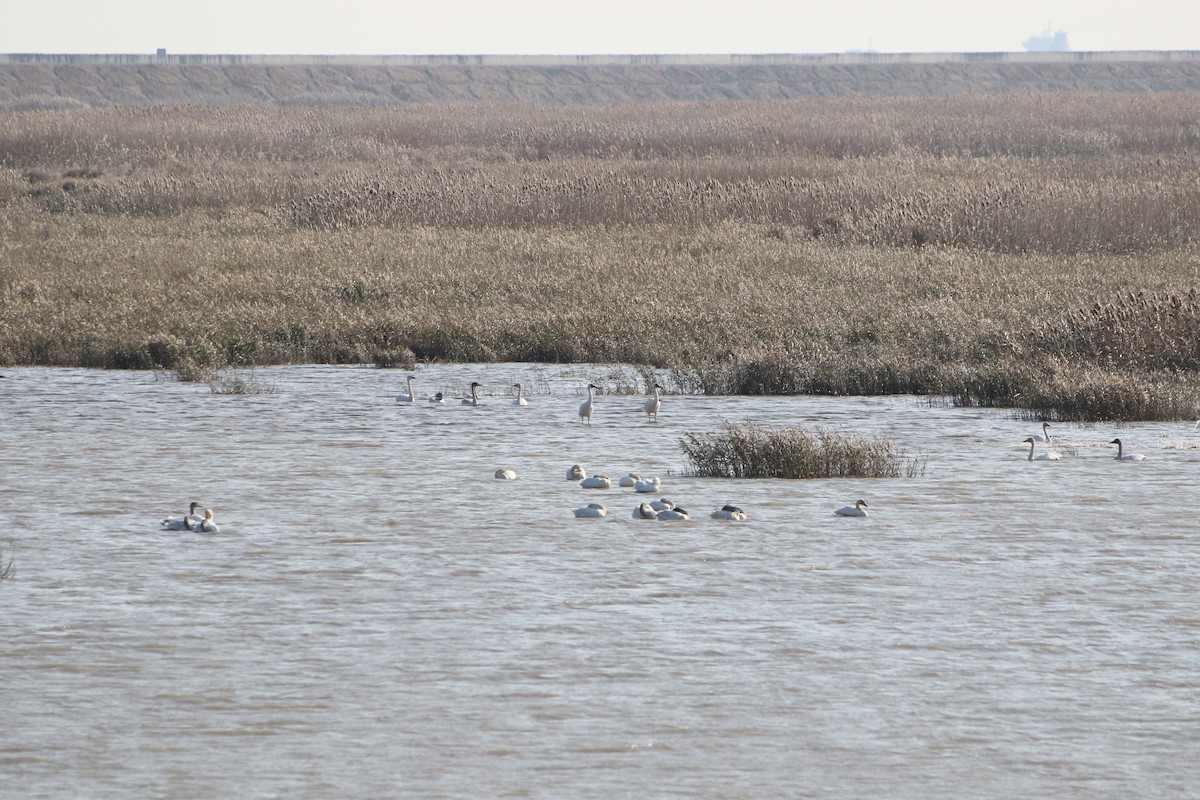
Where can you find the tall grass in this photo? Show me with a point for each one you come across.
(1029, 251)
(754, 451)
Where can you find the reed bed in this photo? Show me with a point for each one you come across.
(1001, 250)
(754, 451)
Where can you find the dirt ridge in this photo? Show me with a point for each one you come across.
(74, 85)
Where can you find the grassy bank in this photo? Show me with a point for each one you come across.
(1021, 252)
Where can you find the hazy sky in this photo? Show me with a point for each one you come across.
(580, 26)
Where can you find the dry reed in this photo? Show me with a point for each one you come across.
(969, 246)
(754, 451)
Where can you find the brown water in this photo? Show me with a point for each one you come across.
(380, 617)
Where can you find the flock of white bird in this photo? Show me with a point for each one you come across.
(661, 509)
(1045, 438)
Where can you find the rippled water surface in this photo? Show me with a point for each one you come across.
(380, 617)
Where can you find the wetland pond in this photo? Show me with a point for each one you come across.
(379, 616)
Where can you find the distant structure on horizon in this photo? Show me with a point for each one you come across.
(1047, 42)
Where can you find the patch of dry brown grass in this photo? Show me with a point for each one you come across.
(977, 246)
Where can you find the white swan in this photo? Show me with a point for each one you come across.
(1123, 456)
(662, 504)
(473, 400)
(729, 512)
(183, 523)
(668, 514)
(576, 473)
(206, 525)
(647, 485)
(407, 398)
(1044, 437)
(596, 482)
(653, 404)
(591, 510)
(585, 408)
(520, 401)
(437, 397)
(859, 509)
(506, 475)
(1050, 456)
(644, 511)
(630, 479)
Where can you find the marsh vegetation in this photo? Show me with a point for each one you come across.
(1028, 251)
(756, 451)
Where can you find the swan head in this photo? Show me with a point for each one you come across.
(732, 509)
(192, 508)
(1117, 442)
(1029, 440)
(860, 504)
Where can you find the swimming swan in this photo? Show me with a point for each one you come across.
(647, 485)
(437, 397)
(591, 510)
(644, 511)
(1051, 456)
(183, 523)
(206, 525)
(859, 509)
(653, 404)
(473, 400)
(576, 473)
(596, 482)
(630, 479)
(520, 401)
(1044, 436)
(729, 512)
(585, 408)
(407, 398)
(506, 475)
(668, 514)
(1123, 456)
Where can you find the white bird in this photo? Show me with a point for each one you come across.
(520, 401)
(206, 525)
(1050, 456)
(506, 475)
(437, 397)
(183, 523)
(661, 504)
(859, 509)
(576, 473)
(1044, 436)
(630, 479)
(653, 404)
(473, 400)
(1123, 456)
(647, 485)
(596, 482)
(729, 512)
(407, 398)
(668, 514)
(585, 408)
(644, 511)
(591, 510)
